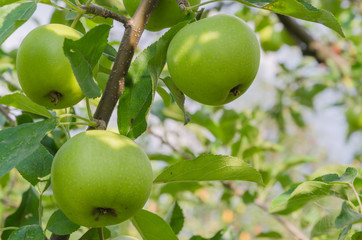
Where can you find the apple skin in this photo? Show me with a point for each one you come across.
(44, 71)
(100, 178)
(215, 60)
(165, 15)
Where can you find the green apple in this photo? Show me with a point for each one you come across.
(165, 15)
(100, 178)
(354, 118)
(44, 72)
(214, 60)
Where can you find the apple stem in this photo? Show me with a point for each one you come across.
(74, 23)
(100, 232)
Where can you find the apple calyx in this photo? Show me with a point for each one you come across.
(55, 97)
(235, 90)
(99, 211)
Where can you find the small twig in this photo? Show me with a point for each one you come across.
(74, 116)
(103, 12)
(289, 226)
(74, 23)
(116, 82)
(6, 115)
(89, 110)
(183, 4)
(164, 141)
(357, 196)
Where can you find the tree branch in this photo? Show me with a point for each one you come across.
(117, 78)
(4, 112)
(103, 12)
(310, 46)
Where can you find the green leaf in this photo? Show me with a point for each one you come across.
(36, 166)
(175, 218)
(347, 177)
(92, 234)
(20, 142)
(334, 168)
(344, 232)
(59, 224)
(299, 9)
(166, 98)
(26, 214)
(228, 125)
(347, 216)
(297, 117)
(135, 102)
(305, 96)
(110, 52)
(20, 101)
(178, 96)
(152, 227)
(357, 236)
(298, 196)
(208, 167)
(4, 180)
(27, 232)
(204, 119)
(13, 16)
(274, 235)
(323, 226)
(84, 54)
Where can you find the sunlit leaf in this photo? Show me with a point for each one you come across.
(298, 196)
(13, 16)
(210, 167)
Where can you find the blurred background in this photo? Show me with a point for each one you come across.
(306, 102)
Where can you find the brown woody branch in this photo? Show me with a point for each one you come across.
(103, 12)
(311, 46)
(288, 225)
(115, 85)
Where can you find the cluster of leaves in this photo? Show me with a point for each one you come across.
(29, 142)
